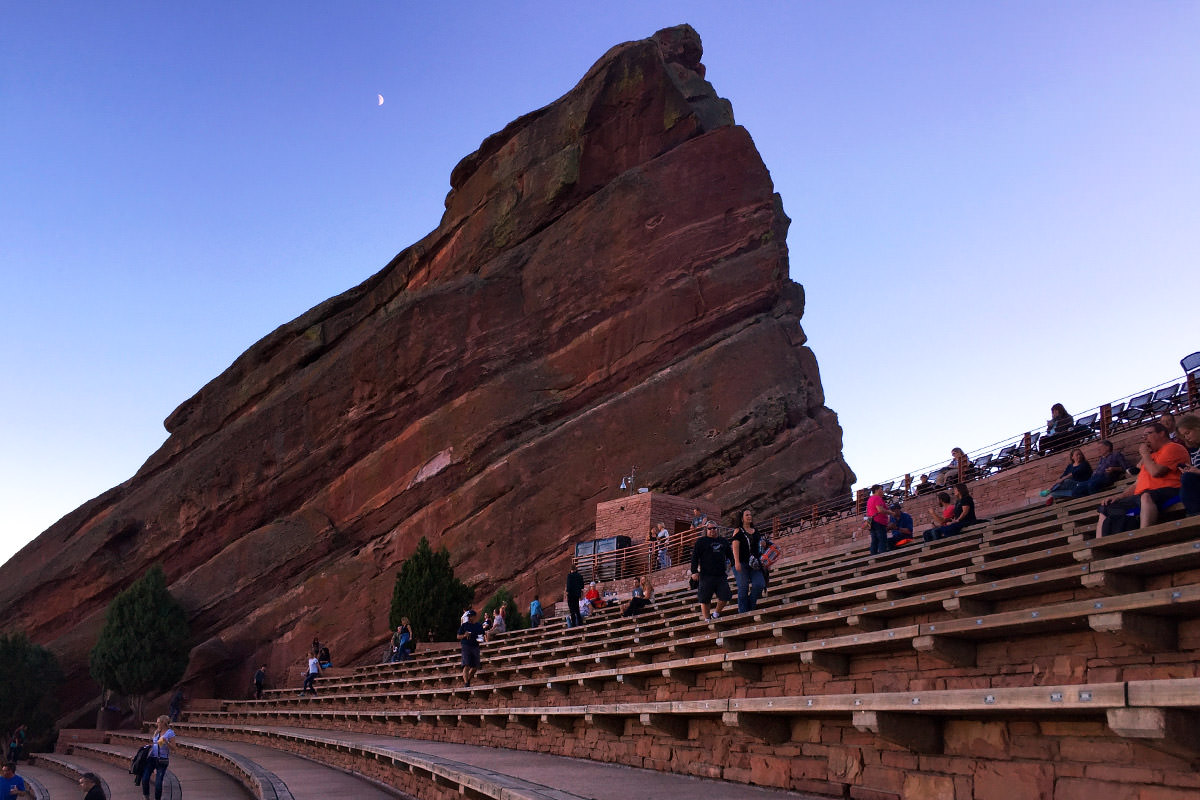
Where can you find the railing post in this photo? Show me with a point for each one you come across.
(908, 485)
(1193, 390)
(1027, 446)
(860, 501)
(1105, 420)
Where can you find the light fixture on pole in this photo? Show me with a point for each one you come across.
(627, 482)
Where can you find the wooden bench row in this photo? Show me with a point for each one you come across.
(800, 630)
(1160, 712)
(1145, 622)
(409, 769)
(819, 572)
(667, 620)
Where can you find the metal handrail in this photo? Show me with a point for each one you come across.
(642, 557)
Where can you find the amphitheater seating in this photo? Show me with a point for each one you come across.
(259, 781)
(1022, 625)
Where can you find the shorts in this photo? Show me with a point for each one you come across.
(1132, 504)
(710, 584)
(470, 657)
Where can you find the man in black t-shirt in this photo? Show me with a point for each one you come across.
(709, 559)
(574, 592)
(260, 677)
(470, 634)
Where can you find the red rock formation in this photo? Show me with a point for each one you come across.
(607, 287)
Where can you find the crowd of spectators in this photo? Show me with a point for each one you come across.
(1078, 479)
(1167, 479)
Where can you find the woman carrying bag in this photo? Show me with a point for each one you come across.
(160, 755)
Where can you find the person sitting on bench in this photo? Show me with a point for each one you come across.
(1111, 468)
(900, 526)
(1073, 479)
(964, 515)
(1188, 429)
(943, 512)
(1156, 489)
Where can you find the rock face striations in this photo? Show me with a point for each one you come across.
(608, 287)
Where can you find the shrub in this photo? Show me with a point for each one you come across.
(29, 684)
(144, 645)
(428, 594)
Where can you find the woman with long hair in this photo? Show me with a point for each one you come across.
(1059, 427)
(964, 515)
(160, 755)
(1073, 481)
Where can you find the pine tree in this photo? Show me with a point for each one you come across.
(428, 594)
(29, 684)
(144, 644)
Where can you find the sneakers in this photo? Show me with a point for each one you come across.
(714, 615)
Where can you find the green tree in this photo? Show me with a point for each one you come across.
(428, 594)
(513, 618)
(144, 644)
(29, 684)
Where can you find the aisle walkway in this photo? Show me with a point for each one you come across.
(120, 782)
(307, 780)
(586, 779)
(196, 781)
(57, 784)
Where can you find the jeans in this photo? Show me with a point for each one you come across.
(949, 529)
(575, 617)
(308, 683)
(750, 586)
(1099, 481)
(1069, 487)
(879, 538)
(535, 620)
(154, 764)
(1189, 492)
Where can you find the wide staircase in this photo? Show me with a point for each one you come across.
(1022, 659)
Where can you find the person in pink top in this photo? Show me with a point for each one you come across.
(877, 518)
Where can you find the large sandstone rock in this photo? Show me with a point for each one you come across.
(608, 287)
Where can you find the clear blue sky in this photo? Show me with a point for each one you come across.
(995, 206)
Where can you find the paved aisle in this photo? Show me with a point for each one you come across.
(201, 782)
(306, 779)
(57, 784)
(196, 781)
(120, 782)
(582, 777)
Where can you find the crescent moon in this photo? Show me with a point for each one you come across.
(380, 99)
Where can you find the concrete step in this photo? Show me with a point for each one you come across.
(305, 779)
(547, 775)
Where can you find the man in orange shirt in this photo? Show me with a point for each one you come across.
(1157, 487)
